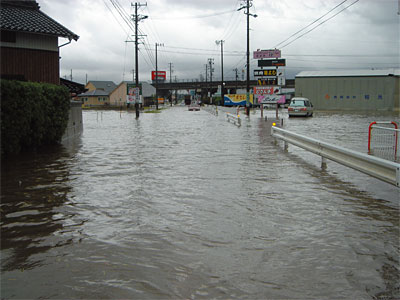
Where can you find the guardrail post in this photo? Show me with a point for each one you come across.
(323, 163)
(285, 146)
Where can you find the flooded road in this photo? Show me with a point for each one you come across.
(184, 205)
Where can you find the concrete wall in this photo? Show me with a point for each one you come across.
(350, 93)
(75, 124)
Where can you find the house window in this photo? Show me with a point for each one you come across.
(8, 36)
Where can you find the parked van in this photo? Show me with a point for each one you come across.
(300, 107)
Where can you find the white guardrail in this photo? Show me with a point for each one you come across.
(382, 169)
(211, 109)
(235, 119)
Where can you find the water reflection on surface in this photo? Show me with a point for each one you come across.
(185, 205)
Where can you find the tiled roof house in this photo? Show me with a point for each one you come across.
(107, 86)
(29, 42)
(98, 93)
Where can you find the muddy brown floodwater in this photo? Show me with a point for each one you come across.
(184, 205)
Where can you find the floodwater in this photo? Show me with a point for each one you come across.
(184, 205)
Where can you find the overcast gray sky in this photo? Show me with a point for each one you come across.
(363, 36)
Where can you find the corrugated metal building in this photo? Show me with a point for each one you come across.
(351, 89)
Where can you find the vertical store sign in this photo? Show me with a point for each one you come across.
(133, 94)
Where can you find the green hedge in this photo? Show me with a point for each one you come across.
(32, 115)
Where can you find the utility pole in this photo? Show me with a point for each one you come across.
(236, 77)
(157, 44)
(222, 70)
(206, 84)
(176, 93)
(170, 72)
(137, 18)
(170, 77)
(211, 69)
(247, 13)
(211, 62)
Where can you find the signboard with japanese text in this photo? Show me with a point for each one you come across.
(237, 99)
(268, 81)
(265, 73)
(272, 62)
(272, 53)
(133, 94)
(267, 94)
(266, 90)
(160, 75)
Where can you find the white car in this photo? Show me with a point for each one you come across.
(300, 107)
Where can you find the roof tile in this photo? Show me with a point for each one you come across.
(31, 20)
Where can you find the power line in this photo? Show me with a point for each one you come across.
(123, 14)
(320, 24)
(194, 17)
(277, 45)
(115, 18)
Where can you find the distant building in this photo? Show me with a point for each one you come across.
(95, 98)
(107, 93)
(351, 89)
(98, 93)
(29, 42)
(118, 96)
(107, 86)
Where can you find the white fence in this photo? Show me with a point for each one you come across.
(379, 168)
(234, 119)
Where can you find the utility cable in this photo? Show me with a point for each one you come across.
(319, 24)
(195, 17)
(277, 45)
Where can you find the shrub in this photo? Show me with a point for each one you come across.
(32, 115)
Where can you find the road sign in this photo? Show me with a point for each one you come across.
(272, 53)
(272, 62)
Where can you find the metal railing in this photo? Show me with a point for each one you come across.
(235, 119)
(211, 109)
(383, 140)
(379, 168)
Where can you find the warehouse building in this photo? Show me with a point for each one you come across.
(351, 89)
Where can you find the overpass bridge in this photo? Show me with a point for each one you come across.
(205, 86)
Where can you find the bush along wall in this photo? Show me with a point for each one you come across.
(32, 115)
